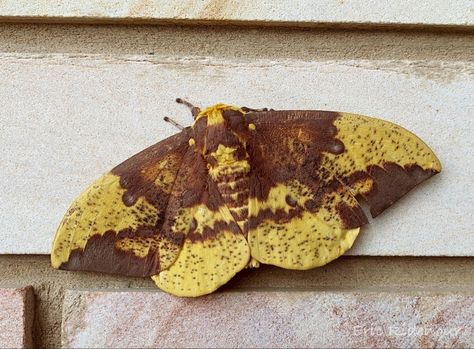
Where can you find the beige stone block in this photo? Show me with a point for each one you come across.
(294, 319)
(66, 119)
(301, 12)
(16, 317)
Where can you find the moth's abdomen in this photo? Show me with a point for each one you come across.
(234, 190)
(230, 171)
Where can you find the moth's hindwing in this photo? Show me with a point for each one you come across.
(307, 169)
(116, 225)
(214, 247)
(303, 224)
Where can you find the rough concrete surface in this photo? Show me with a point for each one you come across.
(267, 319)
(358, 274)
(16, 317)
(237, 42)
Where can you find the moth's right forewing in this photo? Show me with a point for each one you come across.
(117, 224)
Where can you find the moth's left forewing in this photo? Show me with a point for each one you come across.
(381, 161)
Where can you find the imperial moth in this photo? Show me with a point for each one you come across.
(241, 187)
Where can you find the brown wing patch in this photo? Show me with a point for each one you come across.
(301, 226)
(116, 225)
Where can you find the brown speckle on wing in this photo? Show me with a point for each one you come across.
(381, 162)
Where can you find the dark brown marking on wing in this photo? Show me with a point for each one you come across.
(137, 173)
(352, 217)
(137, 176)
(391, 182)
(289, 147)
(101, 255)
(210, 233)
(279, 216)
(199, 130)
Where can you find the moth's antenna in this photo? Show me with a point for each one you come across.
(194, 110)
(174, 123)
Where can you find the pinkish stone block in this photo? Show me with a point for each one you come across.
(267, 319)
(16, 317)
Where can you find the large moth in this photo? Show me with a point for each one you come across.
(241, 187)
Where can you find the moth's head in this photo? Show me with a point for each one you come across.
(220, 124)
(218, 114)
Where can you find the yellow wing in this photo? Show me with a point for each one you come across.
(116, 225)
(381, 161)
(307, 169)
(214, 247)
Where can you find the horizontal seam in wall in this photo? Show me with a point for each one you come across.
(466, 28)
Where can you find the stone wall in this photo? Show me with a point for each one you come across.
(83, 87)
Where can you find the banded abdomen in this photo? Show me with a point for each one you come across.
(234, 188)
(231, 173)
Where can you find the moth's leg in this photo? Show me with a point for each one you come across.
(194, 110)
(253, 263)
(174, 123)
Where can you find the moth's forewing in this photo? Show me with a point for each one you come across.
(382, 161)
(116, 225)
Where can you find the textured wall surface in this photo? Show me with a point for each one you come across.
(301, 12)
(77, 99)
(16, 317)
(267, 319)
(427, 275)
(66, 119)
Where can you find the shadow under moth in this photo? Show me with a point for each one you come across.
(238, 188)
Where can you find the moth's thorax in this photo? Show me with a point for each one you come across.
(221, 133)
(226, 162)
